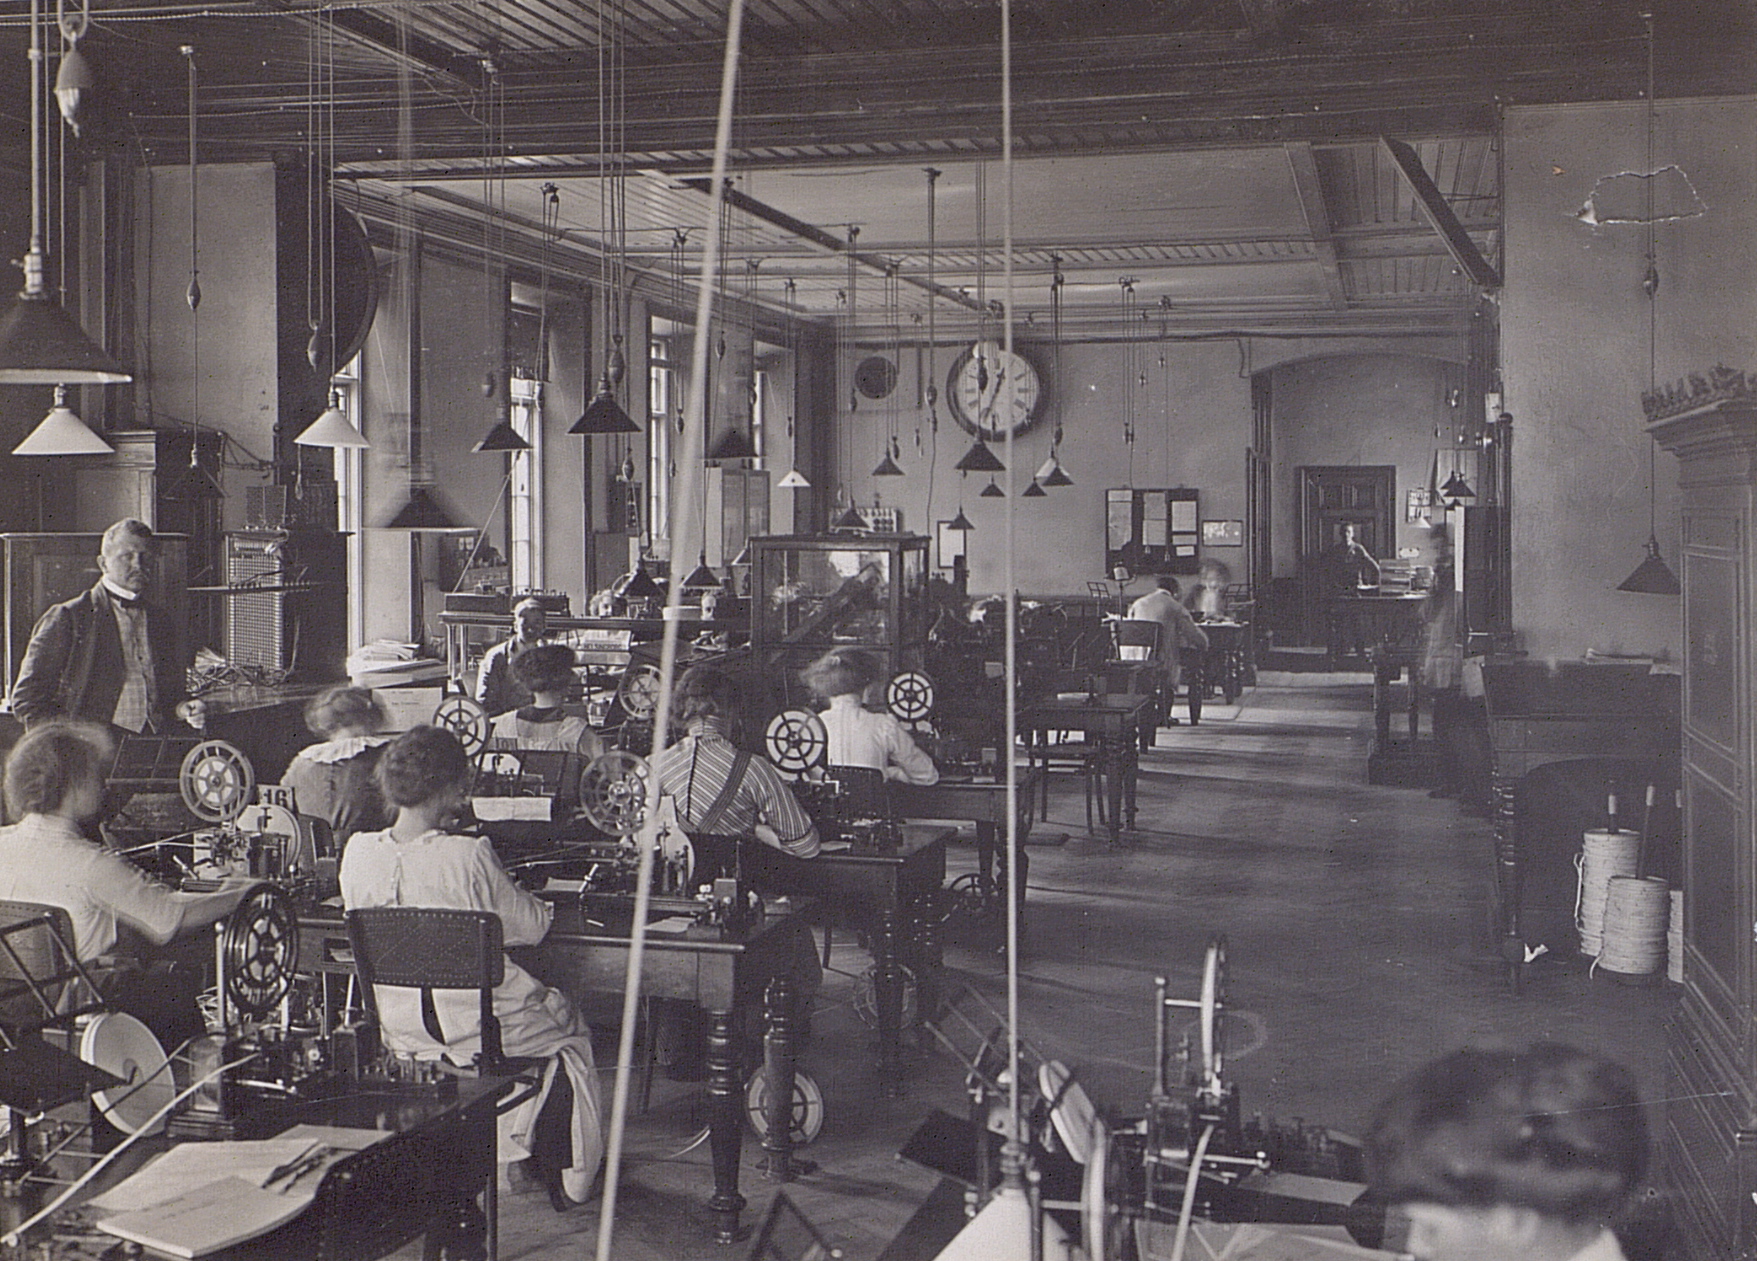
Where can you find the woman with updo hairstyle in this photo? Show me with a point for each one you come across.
(859, 736)
(54, 793)
(1511, 1154)
(549, 721)
(333, 779)
(420, 861)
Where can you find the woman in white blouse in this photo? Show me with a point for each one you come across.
(858, 736)
(418, 861)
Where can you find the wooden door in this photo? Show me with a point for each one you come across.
(1330, 497)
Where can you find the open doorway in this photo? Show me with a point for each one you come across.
(1332, 496)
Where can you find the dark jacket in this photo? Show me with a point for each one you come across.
(73, 667)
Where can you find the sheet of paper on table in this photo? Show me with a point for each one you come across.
(517, 809)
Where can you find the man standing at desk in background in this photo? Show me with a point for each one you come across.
(1349, 567)
(1163, 606)
(107, 656)
(497, 687)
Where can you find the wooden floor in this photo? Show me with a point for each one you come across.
(1360, 945)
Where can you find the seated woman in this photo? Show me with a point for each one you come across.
(1503, 1154)
(548, 722)
(54, 787)
(333, 779)
(860, 737)
(417, 861)
(721, 793)
(718, 791)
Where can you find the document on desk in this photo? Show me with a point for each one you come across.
(198, 1197)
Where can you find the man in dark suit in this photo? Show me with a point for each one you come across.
(107, 656)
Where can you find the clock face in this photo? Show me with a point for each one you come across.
(993, 393)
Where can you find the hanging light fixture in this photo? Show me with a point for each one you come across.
(332, 428)
(62, 432)
(991, 491)
(961, 523)
(1652, 576)
(793, 479)
(426, 509)
(40, 344)
(979, 459)
(501, 436)
(1456, 489)
(1035, 490)
(888, 466)
(849, 520)
(1052, 473)
(73, 77)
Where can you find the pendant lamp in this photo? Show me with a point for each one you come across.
(426, 510)
(604, 414)
(40, 344)
(638, 585)
(62, 432)
(979, 459)
(850, 520)
(1053, 474)
(702, 576)
(734, 444)
(502, 437)
(887, 467)
(991, 491)
(1652, 576)
(1035, 491)
(332, 428)
(794, 480)
(961, 523)
(1456, 489)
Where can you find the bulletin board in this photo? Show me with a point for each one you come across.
(1152, 531)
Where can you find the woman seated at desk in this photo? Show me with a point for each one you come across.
(333, 779)
(720, 793)
(417, 861)
(858, 736)
(548, 722)
(54, 788)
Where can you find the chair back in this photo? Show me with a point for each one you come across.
(433, 948)
(41, 981)
(1137, 639)
(863, 788)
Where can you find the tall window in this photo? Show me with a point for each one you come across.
(524, 505)
(662, 401)
(351, 500)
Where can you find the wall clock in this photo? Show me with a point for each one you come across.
(993, 393)
(875, 376)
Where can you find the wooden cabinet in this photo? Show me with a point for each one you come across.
(1710, 1139)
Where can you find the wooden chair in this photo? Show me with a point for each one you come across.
(1137, 666)
(440, 948)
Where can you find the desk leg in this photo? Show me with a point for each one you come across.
(725, 1126)
(888, 998)
(778, 1074)
(1131, 775)
(1508, 880)
(925, 957)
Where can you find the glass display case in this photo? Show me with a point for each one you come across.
(812, 593)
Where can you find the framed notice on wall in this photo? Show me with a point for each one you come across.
(1152, 530)
(951, 543)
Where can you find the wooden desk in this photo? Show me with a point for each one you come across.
(894, 893)
(984, 803)
(1539, 715)
(1113, 723)
(1367, 619)
(700, 966)
(1226, 666)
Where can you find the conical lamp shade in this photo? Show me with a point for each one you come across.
(426, 509)
(794, 480)
(503, 437)
(961, 522)
(331, 429)
(61, 432)
(992, 491)
(639, 585)
(1652, 576)
(702, 575)
(604, 414)
(40, 344)
(849, 520)
(887, 467)
(734, 444)
(1034, 491)
(1058, 476)
(979, 459)
(744, 557)
(1457, 488)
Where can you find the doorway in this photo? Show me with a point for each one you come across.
(1330, 497)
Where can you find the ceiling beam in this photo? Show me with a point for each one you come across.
(1310, 191)
(814, 235)
(1439, 215)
